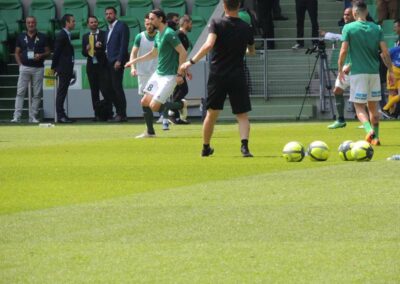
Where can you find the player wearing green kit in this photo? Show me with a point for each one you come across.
(171, 54)
(362, 40)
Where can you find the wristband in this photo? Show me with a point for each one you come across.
(191, 61)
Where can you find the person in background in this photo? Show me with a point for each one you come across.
(31, 49)
(63, 65)
(311, 6)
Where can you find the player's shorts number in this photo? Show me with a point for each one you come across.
(150, 87)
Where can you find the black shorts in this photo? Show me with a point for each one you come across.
(180, 91)
(234, 86)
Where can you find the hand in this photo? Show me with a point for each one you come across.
(99, 44)
(346, 69)
(88, 47)
(133, 72)
(117, 65)
(179, 80)
(322, 33)
(341, 76)
(37, 57)
(130, 63)
(183, 68)
(391, 77)
(189, 75)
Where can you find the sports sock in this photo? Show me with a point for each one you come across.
(367, 127)
(171, 106)
(245, 143)
(376, 130)
(340, 106)
(148, 119)
(206, 146)
(392, 100)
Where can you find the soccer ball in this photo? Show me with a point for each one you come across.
(362, 151)
(345, 150)
(318, 151)
(293, 152)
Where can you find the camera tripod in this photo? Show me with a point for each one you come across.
(324, 79)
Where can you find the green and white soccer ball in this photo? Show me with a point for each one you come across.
(345, 150)
(318, 151)
(362, 151)
(293, 152)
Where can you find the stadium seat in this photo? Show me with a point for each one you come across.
(45, 13)
(198, 25)
(78, 8)
(11, 14)
(173, 6)
(137, 9)
(77, 42)
(390, 41)
(134, 28)
(387, 27)
(373, 12)
(101, 5)
(4, 53)
(204, 8)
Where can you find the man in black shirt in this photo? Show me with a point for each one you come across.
(228, 37)
(31, 50)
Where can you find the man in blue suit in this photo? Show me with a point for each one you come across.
(63, 64)
(117, 56)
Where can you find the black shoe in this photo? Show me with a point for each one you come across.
(207, 152)
(281, 18)
(119, 118)
(245, 152)
(65, 120)
(181, 121)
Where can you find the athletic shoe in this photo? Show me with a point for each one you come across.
(386, 114)
(33, 120)
(181, 121)
(184, 111)
(297, 46)
(145, 135)
(376, 142)
(245, 152)
(337, 124)
(15, 120)
(207, 152)
(370, 136)
(165, 124)
(160, 119)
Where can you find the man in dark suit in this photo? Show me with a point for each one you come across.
(117, 56)
(63, 64)
(93, 47)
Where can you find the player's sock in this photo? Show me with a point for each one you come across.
(392, 100)
(245, 143)
(376, 131)
(171, 106)
(367, 127)
(340, 106)
(148, 118)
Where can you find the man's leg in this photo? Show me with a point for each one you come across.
(339, 99)
(37, 86)
(313, 13)
(119, 99)
(94, 81)
(300, 15)
(148, 116)
(373, 108)
(244, 131)
(208, 129)
(62, 90)
(22, 87)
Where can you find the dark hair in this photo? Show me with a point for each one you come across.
(171, 15)
(160, 14)
(184, 19)
(147, 16)
(232, 5)
(360, 6)
(111, 8)
(32, 17)
(66, 18)
(91, 16)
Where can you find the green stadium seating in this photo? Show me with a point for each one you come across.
(45, 13)
(134, 28)
(204, 8)
(387, 27)
(11, 14)
(78, 8)
(101, 5)
(137, 9)
(373, 12)
(77, 43)
(4, 53)
(173, 6)
(198, 25)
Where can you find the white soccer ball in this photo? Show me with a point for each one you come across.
(345, 150)
(318, 151)
(293, 151)
(362, 151)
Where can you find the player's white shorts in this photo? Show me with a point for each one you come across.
(343, 85)
(142, 82)
(160, 87)
(364, 88)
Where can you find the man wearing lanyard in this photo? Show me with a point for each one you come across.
(93, 47)
(63, 64)
(30, 52)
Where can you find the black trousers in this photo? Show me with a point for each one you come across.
(62, 91)
(276, 7)
(117, 91)
(264, 8)
(98, 81)
(311, 6)
(179, 94)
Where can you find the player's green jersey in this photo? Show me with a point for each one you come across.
(364, 39)
(168, 57)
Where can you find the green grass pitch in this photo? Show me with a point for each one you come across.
(87, 203)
